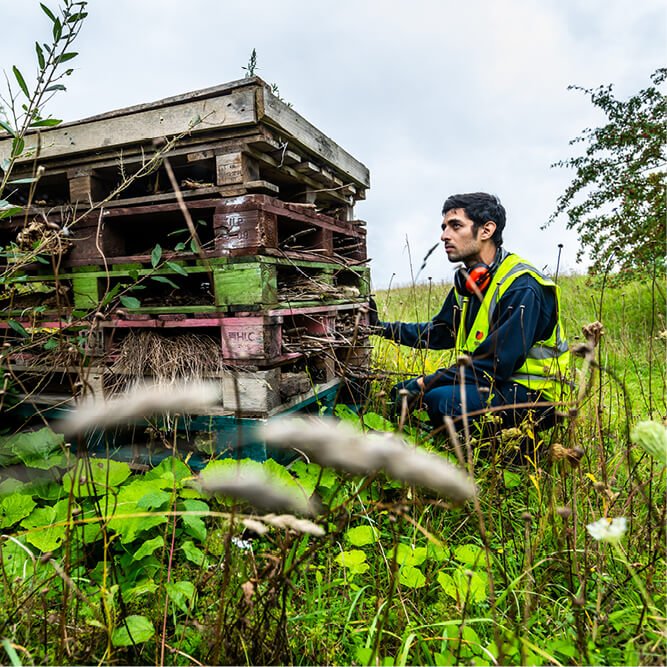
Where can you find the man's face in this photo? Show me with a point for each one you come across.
(462, 243)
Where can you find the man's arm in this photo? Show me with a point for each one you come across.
(524, 315)
(438, 334)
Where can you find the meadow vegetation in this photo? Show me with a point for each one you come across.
(100, 564)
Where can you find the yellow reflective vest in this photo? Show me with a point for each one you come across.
(546, 368)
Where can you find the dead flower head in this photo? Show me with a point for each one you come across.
(140, 401)
(255, 487)
(340, 446)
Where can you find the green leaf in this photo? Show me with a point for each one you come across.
(165, 280)
(130, 302)
(18, 327)
(14, 508)
(194, 525)
(135, 630)
(362, 535)
(103, 474)
(407, 555)
(411, 577)
(55, 86)
(42, 531)
(21, 81)
(148, 547)
(110, 295)
(180, 593)
(154, 500)
(9, 212)
(456, 586)
(17, 146)
(48, 12)
(40, 449)
(23, 181)
(65, 57)
(40, 55)
(7, 128)
(57, 30)
(156, 254)
(177, 268)
(470, 554)
(354, 560)
(46, 122)
(192, 553)
(16, 561)
(377, 422)
(168, 469)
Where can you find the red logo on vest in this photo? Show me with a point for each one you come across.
(479, 335)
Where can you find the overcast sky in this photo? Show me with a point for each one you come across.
(435, 97)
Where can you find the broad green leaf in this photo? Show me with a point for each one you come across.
(167, 469)
(511, 479)
(436, 552)
(154, 500)
(16, 561)
(193, 553)
(124, 518)
(177, 268)
(146, 586)
(354, 560)
(194, 525)
(42, 531)
(14, 508)
(37, 449)
(360, 536)
(148, 547)
(470, 554)
(180, 593)
(407, 555)
(377, 422)
(411, 577)
(130, 302)
(21, 81)
(156, 255)
(103, 474)
(135, 630)
(456, 585)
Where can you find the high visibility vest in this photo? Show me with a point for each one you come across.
(547, 364)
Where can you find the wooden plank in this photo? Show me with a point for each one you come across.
(278, 114)
(141, 126)
(236, 167)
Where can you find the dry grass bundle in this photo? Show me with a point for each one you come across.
(168, 359)
(43, 237)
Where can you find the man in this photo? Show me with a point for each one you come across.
(502, 313)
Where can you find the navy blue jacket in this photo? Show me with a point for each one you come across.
(525, 314)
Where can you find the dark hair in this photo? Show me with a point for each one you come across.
(480, 207)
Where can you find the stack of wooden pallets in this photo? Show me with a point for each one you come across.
(271, 283)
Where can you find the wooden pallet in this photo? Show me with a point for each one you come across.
(238, 284)
(238, 139)
(247, 225)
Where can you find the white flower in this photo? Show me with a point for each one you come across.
(607, 530)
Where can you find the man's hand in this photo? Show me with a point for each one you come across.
(373, 319)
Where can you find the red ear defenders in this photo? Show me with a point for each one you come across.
(468, 281)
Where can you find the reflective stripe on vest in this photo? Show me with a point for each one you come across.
(547, 362)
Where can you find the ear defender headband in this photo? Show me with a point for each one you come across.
(478, 277)
(466, 280)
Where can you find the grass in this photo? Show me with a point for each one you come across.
(103, 566)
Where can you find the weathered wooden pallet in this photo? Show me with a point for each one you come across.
(236, 138)
(247, 225)
(222, 284)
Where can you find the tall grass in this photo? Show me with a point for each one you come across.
(104, 566)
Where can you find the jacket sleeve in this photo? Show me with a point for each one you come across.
(438, 334)
(523, 315)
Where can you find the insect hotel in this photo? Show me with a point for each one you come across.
(208, 235)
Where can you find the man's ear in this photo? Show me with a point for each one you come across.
(488, 230)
